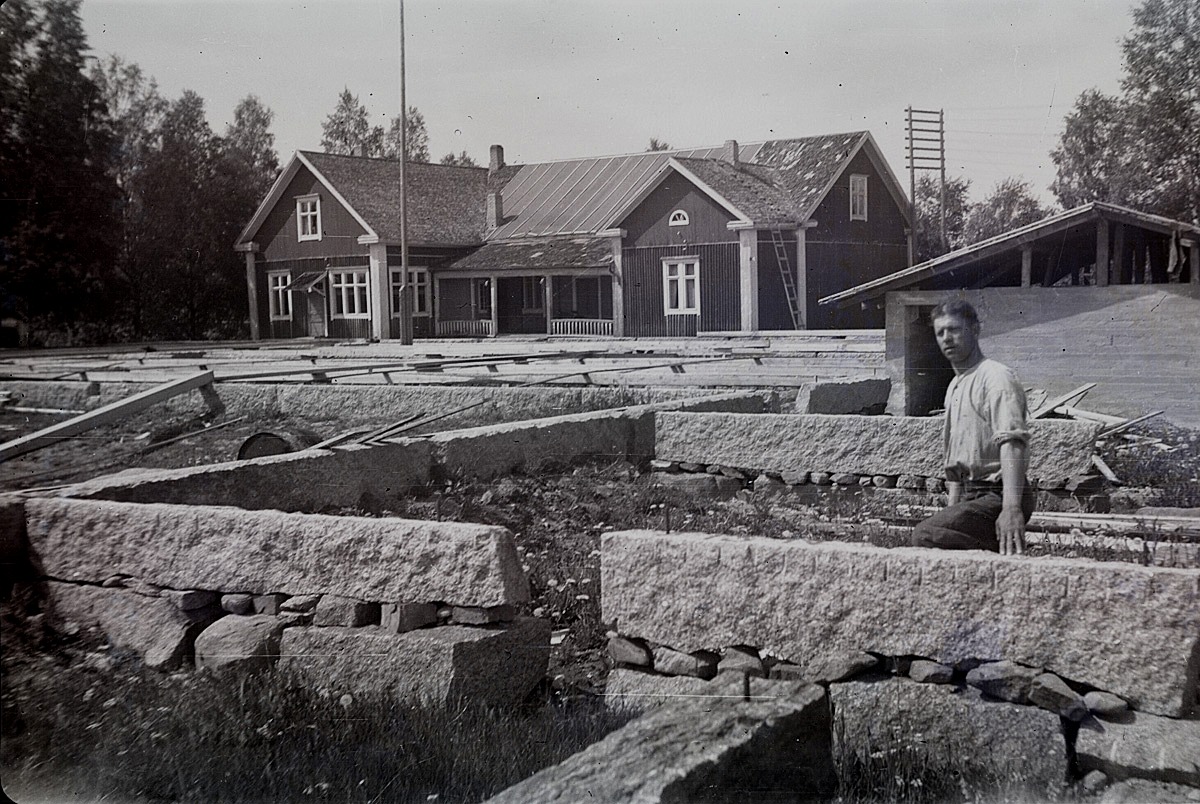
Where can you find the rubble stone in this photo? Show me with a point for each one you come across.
(1143, 746)
(927, 672)
(240, 644)
(741, 660)
(1052, 693)
(238, 603)
(155, 628)
(939, 728)
(884, 481)
(843, 479)
(493, 666)
(479, 615)
(765, 484)
(793, 478)
(301, 604)
(269, 603)
(1005, 680)
(190, 599)
(1105, 704)
(399, 618)
(911, 482)
(346, 612)
(774, 748)
(820, 478)
(629, 651)
(701, 664)
(1129, 629)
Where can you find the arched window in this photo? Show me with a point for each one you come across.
(678, 218)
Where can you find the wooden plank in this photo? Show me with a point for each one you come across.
(1103, 468)
(1090, 415)
(1118, 428)
(1045, 409)
(105, 415)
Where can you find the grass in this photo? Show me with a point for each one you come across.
(88, 723)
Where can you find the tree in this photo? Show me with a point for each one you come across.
(658, 145)
(929, 242)
(1142, 148)
(135, 111)
(418, 138)
(59, 238)
(249, 141)
(461, 160)
(347, 129)
(1010, 206)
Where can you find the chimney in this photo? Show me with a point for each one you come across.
(730, 154)
(497, 159)
(495, 206)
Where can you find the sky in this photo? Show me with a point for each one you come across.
(554, 79)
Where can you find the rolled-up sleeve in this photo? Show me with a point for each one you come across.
(1009, 415)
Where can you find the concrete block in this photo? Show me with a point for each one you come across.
(1126, 628)
(1142, 746)
(268, 551)
(155, 628)
(240, 644)
(874, 445)
(345, 612)
(494, 666)
(937, 727)
(398, 618)
(774, 748)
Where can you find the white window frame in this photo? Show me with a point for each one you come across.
(418, 279)
(308, 220)
(349, 293)
(279, 301)
(680, 273)
(533, 294)
(858, 197)
(678, 218)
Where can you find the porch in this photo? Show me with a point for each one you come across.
(529, 304)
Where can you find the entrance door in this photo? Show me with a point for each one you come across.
(318, 325)
(520, 305)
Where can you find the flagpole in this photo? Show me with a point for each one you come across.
(406, 304)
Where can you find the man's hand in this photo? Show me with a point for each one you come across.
(1010, 530)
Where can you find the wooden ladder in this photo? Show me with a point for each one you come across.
(789, 279)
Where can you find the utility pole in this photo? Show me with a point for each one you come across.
(923, 157)
(406, 302)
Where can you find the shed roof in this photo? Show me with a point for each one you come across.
(543, 253)
(1069, 222)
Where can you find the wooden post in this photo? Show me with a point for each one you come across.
(618, 285)
(380, 290)
(1194, 252)
(748, 278)
(493, 286)
(802, 269)
(1026, 266)
(105, 415)
(1102, 253)
(252, 292)
(1119, 256)
(548, 303)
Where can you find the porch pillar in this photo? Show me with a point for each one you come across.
(618, 286)
(1102, 253)
(1119, 260)
(380, 293)
(548, 302)
(493, 282)
(748, 279)
(252, 291)
(1026, 266)
(802, 271)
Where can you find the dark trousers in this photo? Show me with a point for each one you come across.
(970, 524)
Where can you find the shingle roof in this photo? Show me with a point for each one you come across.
(581, 195)
(446, 205)
(755, 190)
(539, 254)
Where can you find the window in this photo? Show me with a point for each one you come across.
(278, 297)
(681, 287)
(678, 218)
(418, 280)
(533, 294)
(483, 296)
(349, 292)
(308, 217)
(858, 198)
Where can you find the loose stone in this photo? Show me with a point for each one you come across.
(928, 672)
(701, 664)
(1105, 704)
(1052, 693)
(1005, 680)
(629, 651)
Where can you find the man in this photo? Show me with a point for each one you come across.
(986, 446)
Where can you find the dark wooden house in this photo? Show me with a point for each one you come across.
(738, 238)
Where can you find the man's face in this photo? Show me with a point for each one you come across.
(956, 337)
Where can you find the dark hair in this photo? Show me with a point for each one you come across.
(959, 308)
